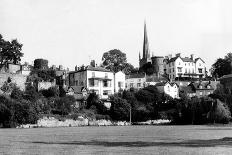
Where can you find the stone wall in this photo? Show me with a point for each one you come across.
(19, 79)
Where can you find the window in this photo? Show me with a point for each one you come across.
(93, 74)
(185, 64)
(106, 92)
(200, 70)
(201, 93)
(168, 89)
(179, 63)
(120, 84)
(173, 69)
(138, 85)
(139, 80)
(131, 85)
(169, 64)
(192, 70)
(199, 64)
(200, 87)
(185, 70)
(189, 63)
(76, 83)
(93, 83)
(94, 91)
(179, 69)
(106, 75)
(208, 86)
(106, 83)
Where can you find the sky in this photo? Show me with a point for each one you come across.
(73, 32)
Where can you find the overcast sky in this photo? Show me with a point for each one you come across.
(71, 32)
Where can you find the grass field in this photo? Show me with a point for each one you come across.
(118, 140)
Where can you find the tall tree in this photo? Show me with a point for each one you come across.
(222, 66)
(115, 61)
(10, 51)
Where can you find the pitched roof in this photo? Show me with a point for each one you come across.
(199, 59)
(173, 59)
(97, 68)
(186, 59)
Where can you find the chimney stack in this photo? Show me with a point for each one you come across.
(92, 63)
(192, 56)
(178, 54)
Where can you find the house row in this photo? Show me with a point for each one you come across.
(97, 79)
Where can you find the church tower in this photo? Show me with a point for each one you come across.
(146, 51)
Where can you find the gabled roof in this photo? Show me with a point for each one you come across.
(196, 85)
(173, 59)
(199, 59)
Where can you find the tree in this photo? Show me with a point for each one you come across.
(64, 104)
(50, 92)
(120, 108)
(10, 51)
(222, 66)
(8, 86)
(115, 61)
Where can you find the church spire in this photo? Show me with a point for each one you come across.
(146, 51)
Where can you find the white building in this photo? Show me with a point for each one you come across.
(168, 88)
(136, 81)
(119, 81)
(179, 67)
(95, 79)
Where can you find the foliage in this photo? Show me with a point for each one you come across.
(16, 112)
(16, 94)
(222, 66)
(31, 94)
(219, 112)
(120, 108)
(115, 61)
(42, 75)
(10, 51)
(96, 104)
(8, 86)
(64, 105)
(50, 92)
(147, 68)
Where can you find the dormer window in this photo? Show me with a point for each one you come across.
(208, 86)
(200, 86)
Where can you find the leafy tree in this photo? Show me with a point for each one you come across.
(120, 108)
(16, 94)
(31, 94)
(10, 51)
(64, 104)
(222, 66)
(50, 92)
(8, 86)
(147, 68)
(115, 61)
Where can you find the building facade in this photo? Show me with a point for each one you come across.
(119, 81)
(179, 67)
(171, 89)
(136, 81)
(95, 79)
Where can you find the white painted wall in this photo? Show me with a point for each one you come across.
(119, 78)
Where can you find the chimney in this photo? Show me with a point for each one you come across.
(92, 63)
(170, 56)
(76, 68)
(60, 67)
(178, 55)
(166, 57)
(192, 57)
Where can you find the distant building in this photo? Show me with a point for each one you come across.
(156, 61)
(179, 68)
(199, 89)
(136, 81)
(95, 79)
(171, 89)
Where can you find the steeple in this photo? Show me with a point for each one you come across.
(146, 51)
